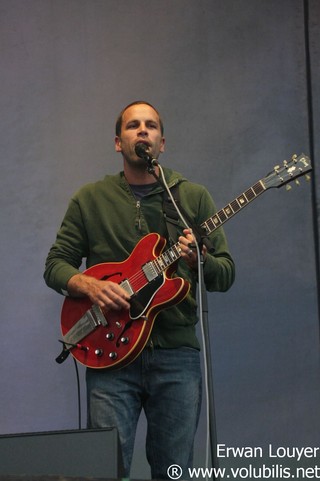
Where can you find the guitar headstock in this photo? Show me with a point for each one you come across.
(290, 170)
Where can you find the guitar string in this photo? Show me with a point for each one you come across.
(249, 194)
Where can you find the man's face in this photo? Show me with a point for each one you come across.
(140, 123)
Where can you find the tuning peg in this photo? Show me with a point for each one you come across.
(307, 177)
(297, 182)
(288, 187)
(294, 157)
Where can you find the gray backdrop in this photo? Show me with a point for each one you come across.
(229, 77)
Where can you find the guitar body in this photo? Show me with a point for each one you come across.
(126, 333)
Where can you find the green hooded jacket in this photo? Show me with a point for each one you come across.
(104, 222)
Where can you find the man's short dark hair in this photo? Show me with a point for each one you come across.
(137, 102)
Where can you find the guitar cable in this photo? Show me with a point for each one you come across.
(78, 393)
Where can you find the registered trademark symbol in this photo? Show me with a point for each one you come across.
(174, 471)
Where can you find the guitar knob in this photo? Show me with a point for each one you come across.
(98, 352)
(110, 336)
(113, 355)
(124, 340)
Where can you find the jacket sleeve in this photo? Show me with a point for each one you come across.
(66, 254)
(219, 269)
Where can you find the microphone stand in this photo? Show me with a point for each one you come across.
(206, 332)
(209, 374)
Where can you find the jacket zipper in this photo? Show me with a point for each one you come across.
(138, 206)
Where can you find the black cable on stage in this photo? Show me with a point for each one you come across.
(78, 392)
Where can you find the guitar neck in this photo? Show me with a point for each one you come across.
(233, 208)
(296, 167)
(171, 255)
(161, 263)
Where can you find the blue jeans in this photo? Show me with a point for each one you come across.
(166, 383)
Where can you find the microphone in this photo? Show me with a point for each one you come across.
(141, 151)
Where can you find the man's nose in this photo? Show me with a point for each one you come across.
(143, 131)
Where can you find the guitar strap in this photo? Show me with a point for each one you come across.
(170, 214)
(172, 219)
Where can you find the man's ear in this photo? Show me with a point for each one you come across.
(117, 143)
(162, 145)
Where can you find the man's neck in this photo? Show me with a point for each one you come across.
(139, 176)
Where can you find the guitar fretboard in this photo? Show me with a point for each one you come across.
(231, 209)
(280, 176)
(160, 264)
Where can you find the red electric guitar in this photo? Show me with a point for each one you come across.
(114, 339)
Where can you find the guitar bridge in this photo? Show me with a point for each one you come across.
(98, 316)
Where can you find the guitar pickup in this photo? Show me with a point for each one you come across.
(150, 271)
(125, 284)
